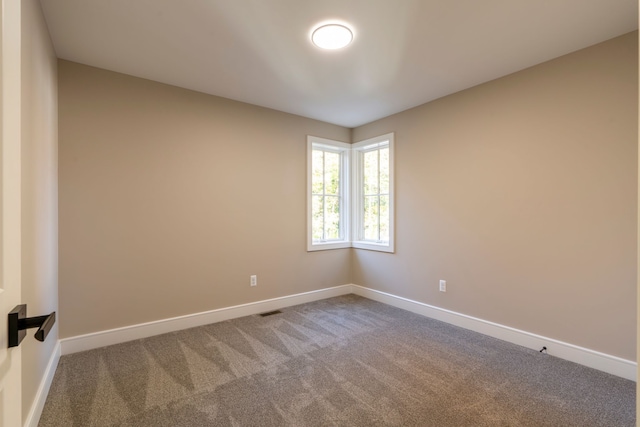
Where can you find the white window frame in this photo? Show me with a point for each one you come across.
(357, 203)
(344, 150)
(351, 191)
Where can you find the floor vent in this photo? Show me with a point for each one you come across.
(270, 313)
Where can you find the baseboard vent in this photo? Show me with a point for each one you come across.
(591, 358)
(144, 330)
(270, 313)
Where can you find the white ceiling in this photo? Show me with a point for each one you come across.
(405, 52)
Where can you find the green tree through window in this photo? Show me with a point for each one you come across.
(350, 204)
(326, 197)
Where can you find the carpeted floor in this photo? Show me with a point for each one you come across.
(345, 361)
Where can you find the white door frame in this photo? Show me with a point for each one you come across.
(10, 207)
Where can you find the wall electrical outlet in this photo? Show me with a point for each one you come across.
(443, 286)
(254, 280)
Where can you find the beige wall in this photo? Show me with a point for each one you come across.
(521, 193)
(39, 192)
(171, 199)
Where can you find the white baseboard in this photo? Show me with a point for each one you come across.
(144, 330)
(583, 356)
(43, 390)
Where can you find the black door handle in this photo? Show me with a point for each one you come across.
(19, 323)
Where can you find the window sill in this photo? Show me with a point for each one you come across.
(371, 246)
(327, 246)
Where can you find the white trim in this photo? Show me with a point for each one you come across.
(344, 150)
(583, 356)
(374, 246)
(144, 330)
(33, 418)
(357, 241)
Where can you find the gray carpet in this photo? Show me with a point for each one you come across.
(345, 361)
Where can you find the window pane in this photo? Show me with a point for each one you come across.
(384, 171)
(384, 218)
(317, 166)
(331, 172)
(370, 218)
(370, 172)
(317, 218)
(332, 217)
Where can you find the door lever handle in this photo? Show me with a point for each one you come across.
(19, 323)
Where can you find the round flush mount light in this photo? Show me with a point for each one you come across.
(332, 36)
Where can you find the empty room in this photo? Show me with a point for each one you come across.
(337, 213)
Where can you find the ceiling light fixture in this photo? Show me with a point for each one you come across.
(332, 36)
